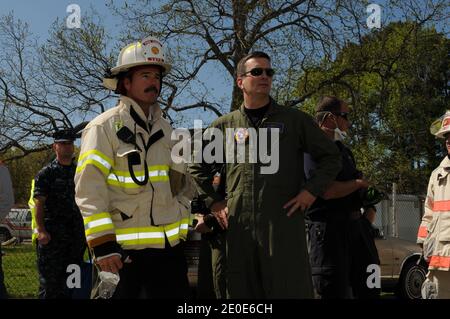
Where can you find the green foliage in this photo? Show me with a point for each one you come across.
(23, 170)
(396, 82)
(19, 267)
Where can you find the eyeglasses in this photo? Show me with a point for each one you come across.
(344, 115)
(259, 71)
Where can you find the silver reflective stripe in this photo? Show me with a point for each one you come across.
(172, 232)
(184, 226)
(124, 179)
(157, 173)
(125, 237)
(99, 222)
(97, 159)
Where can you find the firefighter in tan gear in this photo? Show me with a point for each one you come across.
(434, 231)
(131, 192)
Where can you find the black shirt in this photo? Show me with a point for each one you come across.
(338, 208)
(256, 115)
(56, 183)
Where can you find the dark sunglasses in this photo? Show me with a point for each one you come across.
(344, 115)
(259, 72)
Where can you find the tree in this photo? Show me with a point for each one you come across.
(23, 170)
(397, 81)
(49, 87)
(58, 84)
(220, 33)
(294, 33)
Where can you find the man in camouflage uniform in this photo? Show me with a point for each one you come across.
(59, 225)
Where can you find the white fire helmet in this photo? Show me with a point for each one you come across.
(441, 126)
(149, 51)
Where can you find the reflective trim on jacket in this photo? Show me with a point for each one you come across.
(434, 230)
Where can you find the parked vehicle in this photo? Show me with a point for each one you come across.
(16, 224)
(402, 268)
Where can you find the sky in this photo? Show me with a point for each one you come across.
(42, 13)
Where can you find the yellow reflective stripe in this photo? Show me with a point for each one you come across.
(152, 234)
(96, 158)
(159, 179)
(124, 185)
(96, 217)
(136, 230)
(151, 169)
(98, 223)
(98, 153)
(159, 168)
(98, 229)
(141, 241)
(123, 179)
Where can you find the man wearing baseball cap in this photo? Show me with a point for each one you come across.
(57, 224)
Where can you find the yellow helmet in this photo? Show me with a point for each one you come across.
(149, 51)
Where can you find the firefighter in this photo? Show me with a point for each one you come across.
(57, 224)
(434, 230)
(132, 194)
(266, 254)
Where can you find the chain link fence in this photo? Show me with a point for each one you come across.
(400, 214)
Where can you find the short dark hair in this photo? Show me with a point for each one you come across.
(120, 88)
(327, 104)
(240, 69)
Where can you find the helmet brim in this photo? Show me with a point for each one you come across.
(123, 68)
(111, 82)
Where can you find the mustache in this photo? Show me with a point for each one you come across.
(151, 88)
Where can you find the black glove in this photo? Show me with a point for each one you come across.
(198, 206)
(371, 196)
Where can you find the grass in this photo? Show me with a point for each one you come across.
(20, 270)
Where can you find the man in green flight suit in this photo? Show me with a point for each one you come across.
(266, 244)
